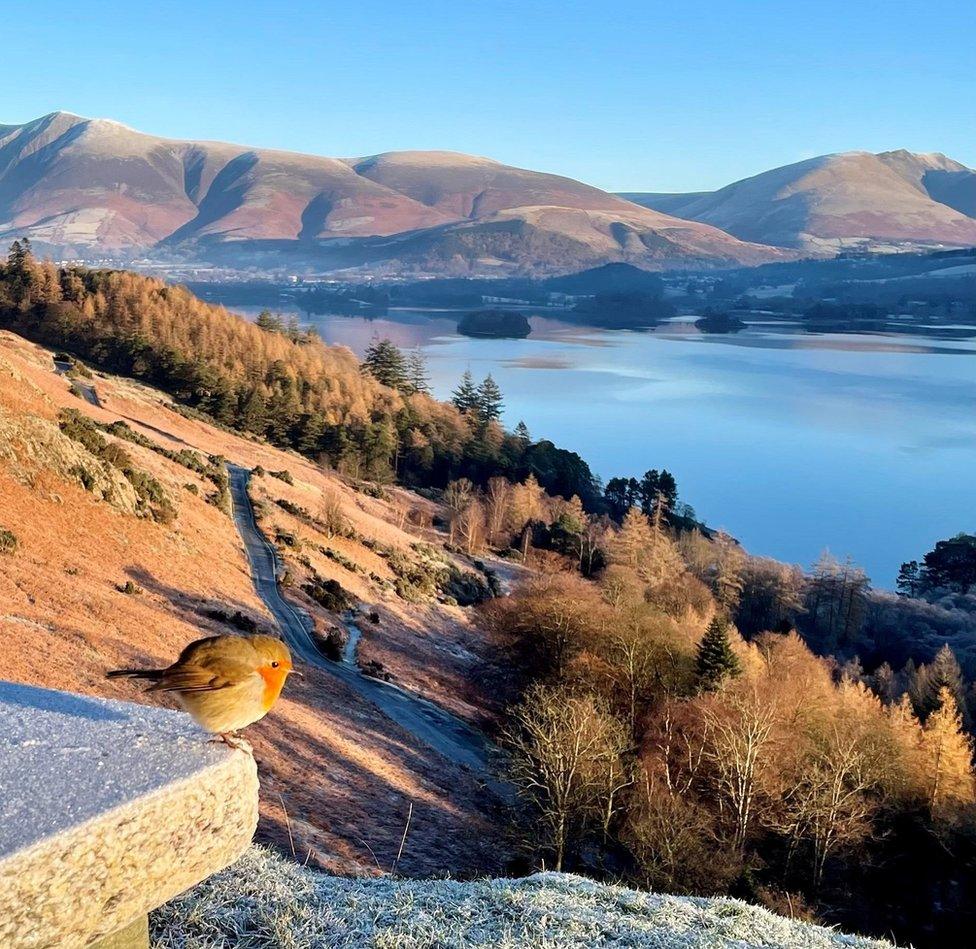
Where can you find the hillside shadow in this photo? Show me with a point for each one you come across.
(182, 602)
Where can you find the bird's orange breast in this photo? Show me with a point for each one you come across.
(274, 680)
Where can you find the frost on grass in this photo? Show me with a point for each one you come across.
(265, 902)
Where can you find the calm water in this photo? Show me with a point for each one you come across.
(792, 442)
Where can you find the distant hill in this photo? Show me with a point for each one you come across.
(93, 188)
(846, 200)
(610, 278)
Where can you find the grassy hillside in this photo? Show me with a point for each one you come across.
(95, 582)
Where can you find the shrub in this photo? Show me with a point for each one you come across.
(237, 619)
(329, 594)
(282, 475)
(286, 538)
(129, 588)
(8, 541)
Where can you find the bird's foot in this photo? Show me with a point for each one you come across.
(233, 741)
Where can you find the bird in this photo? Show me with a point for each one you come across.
(225, 683)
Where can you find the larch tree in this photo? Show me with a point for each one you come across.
(947, 757)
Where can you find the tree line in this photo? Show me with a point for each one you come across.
(651, 740)
(278, 382)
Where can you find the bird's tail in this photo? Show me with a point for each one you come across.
(151, 674)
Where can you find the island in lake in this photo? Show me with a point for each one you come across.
(497, 324)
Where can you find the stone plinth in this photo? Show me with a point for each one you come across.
(107, 810)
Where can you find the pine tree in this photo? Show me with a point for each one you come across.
(942, 673)
(909, 582)
(417, 375)
(385, 363)
(490, 405)
(253, 412)
(269, 322)
(715, 660)
(947, 756)
(522, 434)
(465, 396)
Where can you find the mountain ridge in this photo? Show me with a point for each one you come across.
(97, 188)
(842, 200)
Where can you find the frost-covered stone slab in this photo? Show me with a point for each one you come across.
(265, 902)
(107, 810)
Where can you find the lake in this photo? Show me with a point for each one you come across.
(793, 442)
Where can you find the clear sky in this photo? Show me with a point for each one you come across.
(626, 95)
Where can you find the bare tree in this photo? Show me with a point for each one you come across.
(567, 763)
(498, 503)
(739, 728)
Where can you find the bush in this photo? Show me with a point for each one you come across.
(8, 541)
(282, 475)
(329, 594)
(237, 619)
(286, 538)
(129, 588)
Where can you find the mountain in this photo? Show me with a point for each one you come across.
(851, 199)
(93, 188)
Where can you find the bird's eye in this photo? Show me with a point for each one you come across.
(274, 665)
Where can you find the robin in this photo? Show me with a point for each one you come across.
(224, 682)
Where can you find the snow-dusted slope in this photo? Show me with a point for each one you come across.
(265, 902)
(844, 200)
(93, 187)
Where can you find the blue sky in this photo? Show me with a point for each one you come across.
(626, 95)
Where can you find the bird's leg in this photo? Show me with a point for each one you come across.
(233, 740)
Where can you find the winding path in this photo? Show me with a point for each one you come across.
(447, 734)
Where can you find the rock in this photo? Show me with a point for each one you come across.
(107, 810)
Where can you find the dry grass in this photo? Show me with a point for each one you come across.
(347, 774)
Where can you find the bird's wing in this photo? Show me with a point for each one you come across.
(186, 677)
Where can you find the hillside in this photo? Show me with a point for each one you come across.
(277, 903)
(848, 200)
(148, 510)
(93, 188)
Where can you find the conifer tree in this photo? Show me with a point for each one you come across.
(947, 756)
(417, 376)
(522, 434)
(465, 396)
(385, 363)
(909, 582)
(942, 673)
(715, 661)
(490, 405)
(269, 322)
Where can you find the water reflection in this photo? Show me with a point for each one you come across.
(793, 441)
